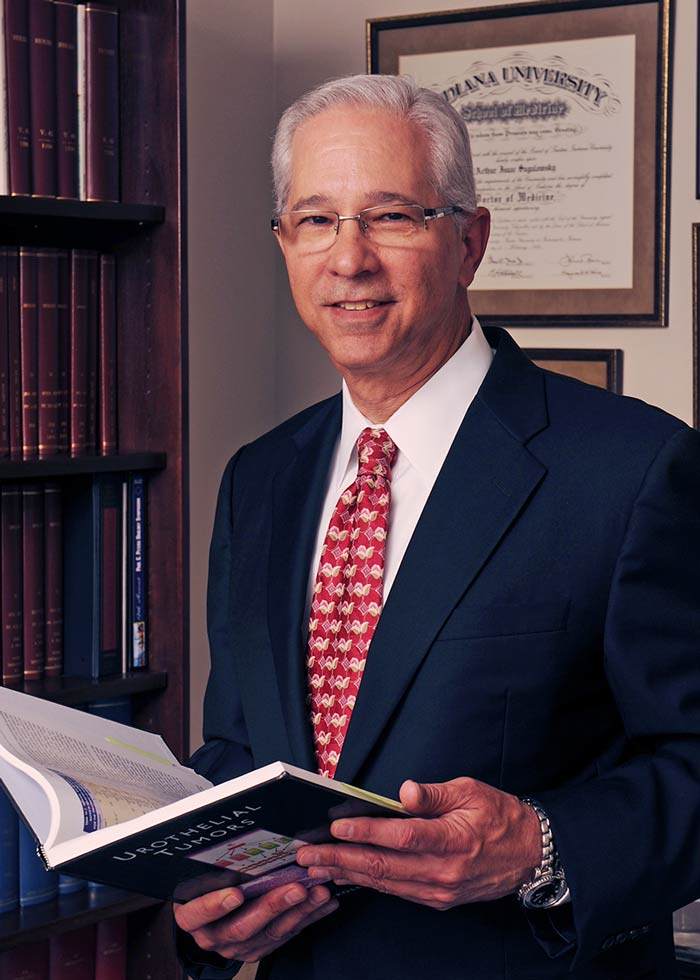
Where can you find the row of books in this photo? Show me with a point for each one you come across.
(96, 952)
(58, 353)
(59, 92)
(73, 585)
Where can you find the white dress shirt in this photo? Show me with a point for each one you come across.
(423, 429)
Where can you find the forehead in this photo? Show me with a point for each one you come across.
(347, 156)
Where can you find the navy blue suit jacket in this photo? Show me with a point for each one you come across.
(542, 635)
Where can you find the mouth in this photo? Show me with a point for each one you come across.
(358, 305)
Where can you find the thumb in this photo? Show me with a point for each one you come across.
(430, 799)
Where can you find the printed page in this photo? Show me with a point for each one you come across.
(97, 773)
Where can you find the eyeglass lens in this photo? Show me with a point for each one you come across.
(385, 225)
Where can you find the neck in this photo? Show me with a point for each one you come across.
(378, 399)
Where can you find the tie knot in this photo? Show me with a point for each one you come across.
(376, 453)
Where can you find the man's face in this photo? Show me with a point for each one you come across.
(347, 159)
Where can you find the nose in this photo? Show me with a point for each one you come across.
(352, 253)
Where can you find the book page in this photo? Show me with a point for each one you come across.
(100, 773)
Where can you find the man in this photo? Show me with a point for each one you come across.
(520, 603)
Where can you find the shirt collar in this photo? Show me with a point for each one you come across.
(424, 427)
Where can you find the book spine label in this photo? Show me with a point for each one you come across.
(102, 94)
(66, 99)
(138, 583)
(4, 360)
(53, 578)
(18, 112)
(107, 383)
(48, 342)
(28, 343)
(11, 593)
(42, 96)
(64, 351)
(33, 581)
(92, 352)
(79, 328)
(14, 352)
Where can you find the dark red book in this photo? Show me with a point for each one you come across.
(107, 381)
(29, 318)
(33, 580)
(72, 954)
(79, 329)
(42, 96)
(92, 351)
(64, 299)
(18, 111)
(110, 949)
(53, 579)
(14, 352)
(102, 98)
(48, 353)
(4, 360)
(66, 99)
(11, 593)
(30, 961)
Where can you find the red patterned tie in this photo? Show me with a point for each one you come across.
(347, 598)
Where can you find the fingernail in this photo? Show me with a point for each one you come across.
(319, 898)
(294, 897)
(341, 828)
(231, 901)
(323, 873)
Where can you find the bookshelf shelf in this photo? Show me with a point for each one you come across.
(67, 912)
(78, 690)
(48, 221)
(39, 469)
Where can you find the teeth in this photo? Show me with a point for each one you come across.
(365, 305)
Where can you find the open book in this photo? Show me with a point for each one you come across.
(111, 803)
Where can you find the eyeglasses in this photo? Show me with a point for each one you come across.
(393, 224)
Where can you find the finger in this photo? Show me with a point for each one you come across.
(411, 890)
(412, 834)
(255, 915)
(433, 799)
(207, 908)
(377, 863)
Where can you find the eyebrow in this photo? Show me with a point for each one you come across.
(379, 197)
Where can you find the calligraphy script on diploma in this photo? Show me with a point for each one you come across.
(552, 135)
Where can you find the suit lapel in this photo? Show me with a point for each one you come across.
(484, 484)
(298, 493)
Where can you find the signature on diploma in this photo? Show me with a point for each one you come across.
(584, 259)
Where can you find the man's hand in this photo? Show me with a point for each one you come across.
(223, 922)
(467, 842)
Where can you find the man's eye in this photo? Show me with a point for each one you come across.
(315, 220)
(393, 217)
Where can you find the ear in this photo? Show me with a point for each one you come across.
(475, 238)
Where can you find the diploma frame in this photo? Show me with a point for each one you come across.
(517, 24)
(597, 367)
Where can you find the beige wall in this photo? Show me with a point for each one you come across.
(251, 361)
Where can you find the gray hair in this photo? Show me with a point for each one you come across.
(446, 134)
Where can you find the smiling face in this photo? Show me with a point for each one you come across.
(388, 316)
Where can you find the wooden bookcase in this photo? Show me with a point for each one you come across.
(147, 234)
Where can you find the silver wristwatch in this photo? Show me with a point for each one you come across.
(547, 888)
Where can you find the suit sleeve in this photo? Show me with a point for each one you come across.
(630, 838)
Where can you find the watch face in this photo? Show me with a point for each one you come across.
(546, 893)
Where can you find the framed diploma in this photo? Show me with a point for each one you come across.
(567, 105)
(596, 367)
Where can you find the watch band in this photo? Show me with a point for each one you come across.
(547, 888)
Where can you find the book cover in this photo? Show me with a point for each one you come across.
(37, 884)
(79, 330)
(102, 102)
(93, 272)
(116, 709)
(92, 579)
(66, 100)
(33, 627)
(118, 808)
(9, 855)
(48, 354)
(12, 583)
(107, 347)
(137, 584)
(111, 949)
(63, 317)
(4, 356)
(18, 112)
(42, 96)
(14, 353)
(29, 316)
(72, 954)
(4, 132)
(53, 578)
(29, 961)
